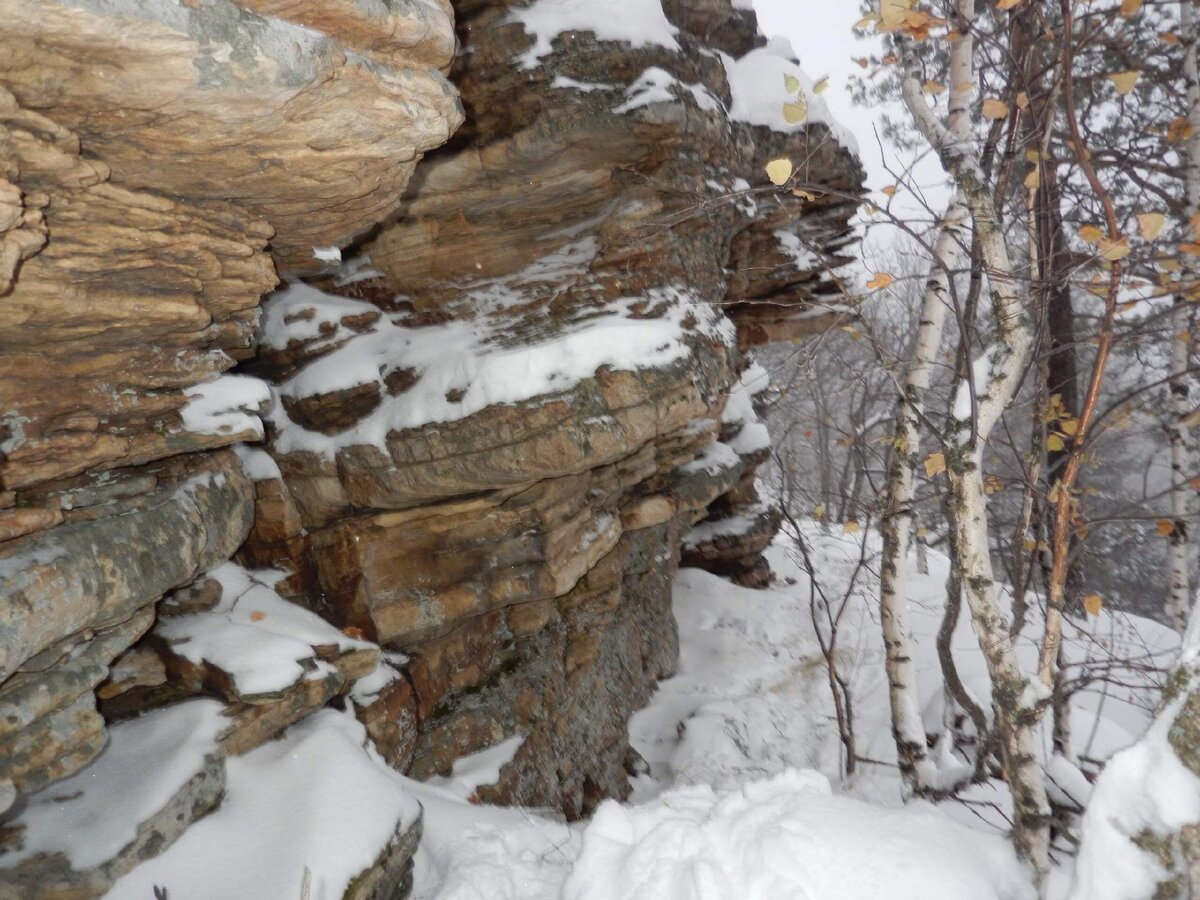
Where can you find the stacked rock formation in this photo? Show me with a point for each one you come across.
(488, 433)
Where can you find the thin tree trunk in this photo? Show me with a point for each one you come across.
(1015, 714)
(1179, 596)
(917, 770)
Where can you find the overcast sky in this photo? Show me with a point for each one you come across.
(821, 32)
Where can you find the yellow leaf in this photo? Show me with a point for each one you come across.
(1124, 81)
(791, 83)
(1069, 425)
(892, 13)
(1129, 8)
(866, 20)
(880, 281)
(1029, 544)
(1006, 4)
(1033, 156)
(1179, 130)
(1114, 250)
(994, 109)
(1150, 224)
(1022, 100)
(1091, 234)
(933, 87)
(779, 170)
(1169, 37)
(850, 527)
(821, 86)
(818, 511)
(935, 463)
(795, 111)
(257, 616)
(1034, 179)
(889, 191)
(803, 195)
(1164, 527)
(1092, 604)
(1054, 443)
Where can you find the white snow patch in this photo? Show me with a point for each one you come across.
(327, 254)
(712, 458)
(261, 640)
(462, 367)
(757, 85)
(319, 799)
(1143, 788)
(257, 464)
(787, 836)
(753, 438)
(563, 82)
(477, 769)
(368, 688)
(93, 814)
(802, 257)
(731, 526)
(641, 23)
(227, 405)
(654, 86)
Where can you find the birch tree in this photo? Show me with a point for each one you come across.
(982, 397)
(918, 773)
(1179, 594)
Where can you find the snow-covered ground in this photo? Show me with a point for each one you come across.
(744, 797)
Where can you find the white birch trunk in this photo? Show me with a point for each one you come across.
(1179, 596)
(1012, 697)
(918, 771)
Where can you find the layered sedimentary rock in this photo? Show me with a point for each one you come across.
(158, 161)
(489, 434)
(497, 424)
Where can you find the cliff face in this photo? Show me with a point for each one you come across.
(489, 431)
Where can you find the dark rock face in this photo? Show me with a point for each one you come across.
(502, 515)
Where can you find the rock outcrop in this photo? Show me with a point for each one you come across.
(496, 424)
(487, 435)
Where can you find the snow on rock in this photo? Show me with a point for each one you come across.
(757, 84)
(91, 816)
(714, 457)
(263, 642)
(740, 405)
(802, 257)
(478, 769)
(318, 800)
(655, 86)
(562, 82)
(257, 464)
(641, 23)
(1144, 788)
(226, 405)
(460, 367)
(732, 526)
(787, 836)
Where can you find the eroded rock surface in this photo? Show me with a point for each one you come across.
(496, 424)
(488, 435)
